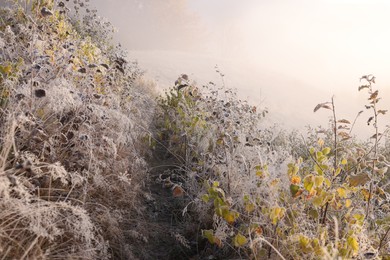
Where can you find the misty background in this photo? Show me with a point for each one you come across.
(287, 56)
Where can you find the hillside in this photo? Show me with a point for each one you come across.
(97, 163)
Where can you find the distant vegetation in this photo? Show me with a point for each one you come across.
(82, 136)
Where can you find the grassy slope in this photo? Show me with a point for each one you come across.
(79, 178)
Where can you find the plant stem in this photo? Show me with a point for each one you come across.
(335, 154)
(375, 151)
(383, 239)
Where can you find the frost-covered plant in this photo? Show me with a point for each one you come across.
(223, 150)
(263, 196)
(72, 111)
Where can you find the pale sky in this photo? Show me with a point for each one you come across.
(297, 53)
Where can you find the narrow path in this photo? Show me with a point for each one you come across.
(163, 222)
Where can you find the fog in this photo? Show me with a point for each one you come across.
(285, 55)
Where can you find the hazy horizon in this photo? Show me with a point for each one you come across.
(295, 54)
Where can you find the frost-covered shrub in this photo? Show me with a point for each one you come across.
(72, 113)
(260, 193)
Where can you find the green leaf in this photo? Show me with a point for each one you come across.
(313, 213)
(326, 151)
(206, 198)
(209, 234)
(337, 172)
(318, 170)
(239, 240)
(294, 189)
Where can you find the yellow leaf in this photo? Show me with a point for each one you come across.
(348, 203)
(365, 193)
(327, 182)
(231, 216)
(353, 243)
(260, 173)
(308, 182)
(337, 172)
(318, 201)
(239, 240)
(344, 161)
(326, 151)
(318, 180)
(342, 192)
(205, 198)
(6, 69)
(359, 218)
(276, 214)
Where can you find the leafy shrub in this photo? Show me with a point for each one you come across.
(261, 192)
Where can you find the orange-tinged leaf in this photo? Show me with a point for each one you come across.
(259, 231)
(177, 191)
(296, 180)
